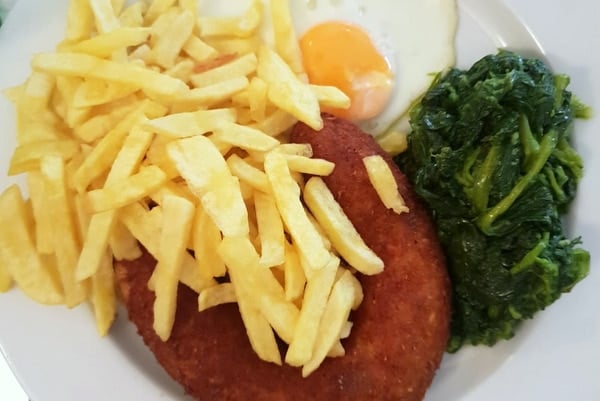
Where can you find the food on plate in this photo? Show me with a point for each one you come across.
(399, 332)
(490, 154)
(402, 51)
(156, 130)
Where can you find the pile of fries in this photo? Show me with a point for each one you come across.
(154, 126)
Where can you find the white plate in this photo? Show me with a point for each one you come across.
(57, 355)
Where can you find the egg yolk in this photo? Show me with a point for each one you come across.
(342, 55)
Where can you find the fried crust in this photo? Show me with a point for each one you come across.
(400, 331)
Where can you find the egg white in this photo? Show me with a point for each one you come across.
(415, 36)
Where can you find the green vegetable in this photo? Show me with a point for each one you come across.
(490, 154)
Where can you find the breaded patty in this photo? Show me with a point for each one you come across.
(400, 331)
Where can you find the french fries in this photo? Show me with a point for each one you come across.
(154, 127)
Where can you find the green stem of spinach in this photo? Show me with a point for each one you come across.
(547, 145)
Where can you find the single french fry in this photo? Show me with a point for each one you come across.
(123, 245)
(105, 44)
(295, 280)
(238, 253)
(77, 64)
(178, 214)
(308, 165)
(339, 228)
(217, 295)
(270, 230)
(211, 95)
(334, 319)
(103, 294)
(314, 304)
(206, 239)
(183, 125)
(244, 137)
(330, 96)
(286, 42)
(169, 45)
(199, 50)
(239, 67)
(382, 179)
(287, 197)
(249, 174)
(206, 173)
(80, 20)
(286, 91)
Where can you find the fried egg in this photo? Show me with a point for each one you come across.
(407, 43)
(383, 54)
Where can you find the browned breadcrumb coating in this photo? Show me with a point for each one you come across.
(400, 330)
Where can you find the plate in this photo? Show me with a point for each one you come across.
(57, 356)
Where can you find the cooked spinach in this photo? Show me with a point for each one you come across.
(490, 154)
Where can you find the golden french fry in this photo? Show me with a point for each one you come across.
(382, 179)
(339, 228)
(314, 304)
(94, 92)
(44, 228)
(249, 174)
(105, 44)
(270, 231)
(244, 137)
(126, 191)
(238, 253)
(169, 45)
(334, 319)
(18, 255)
(286, 91)
(294, 274)
(287, 197)
(257, 99)
(393, 142)
(286, 42)
(77, 64)
(211, 95)
(206, 239)
(95, 244)
(330, 96)
(199, 50)
(80, 20)
(206, 173)
(103, 295)
(239, 67)
(308, 165)
(183, 125)
(217, 295)
(178, 214)
(123, 244)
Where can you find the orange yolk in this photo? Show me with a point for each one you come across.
(343, 55)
